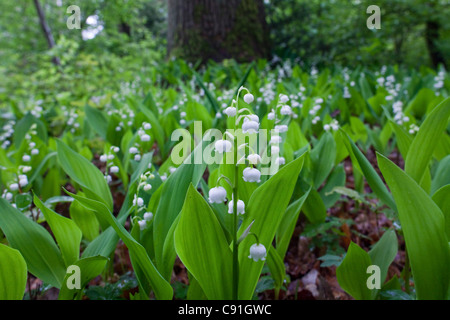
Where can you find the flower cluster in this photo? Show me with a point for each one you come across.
(8, 131)
(108, 158)
(143, 136)
(399, 116)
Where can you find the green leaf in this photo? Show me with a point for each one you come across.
(322, 157)
(442, 175)
(266, 206)
(423, 227)
(442, 199)
(172, 198)
(89, 269)
(352, 273)
(97, 120)
(13, 274)
(288, 223)
(369, 172)
(85, 174)
(85, 220)
(146, 273)
(314, 208)
(36, 245)
(383, 252)
(202, 247)
(276, 267)
(67, 234)
(426, 140)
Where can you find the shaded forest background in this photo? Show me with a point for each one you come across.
(119, 38)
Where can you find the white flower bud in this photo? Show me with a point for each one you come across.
(137, 157)
(240, 207)
(281, 128)
(146, 126)
(103, 158)
(284, 98)
(258, 252)
(251, 175)
(326, 127)
(114, 169)
(230, 111)
(280, 161)
(142, 224)
(26, 158)
(254, 158)
(145, 137)
(133, 150)
(250, 126)
(217, 195)
(222, 146)
(148, 216)
(285, 110)
(147, 187)
(248, 98)
(13, 187)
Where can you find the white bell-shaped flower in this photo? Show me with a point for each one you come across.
(142, 224)
(258, 252)
(230, 111)
(240, 207)
(217, 195)
(222, 146)
(148, 216)
(250, 126)
(248, 98)
(251, 175)
(284, 98)
(281, 128)
(285, 110)
(254, 158)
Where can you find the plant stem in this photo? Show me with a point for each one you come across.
(235, 224)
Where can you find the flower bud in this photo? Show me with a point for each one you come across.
(217, 195)
(222, 146)
(251, 175)
(248, 98)
(258, 252)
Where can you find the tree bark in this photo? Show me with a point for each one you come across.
(217, 30)
(46, 29)
(431, 37)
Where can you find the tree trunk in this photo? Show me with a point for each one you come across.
(431, 37)
(217, 30)
(46, 29)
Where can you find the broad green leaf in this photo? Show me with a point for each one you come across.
(423, 227)
(314, 208)
(426, 140)
(85, 174)
(383, 252)
(89, 268)
(85, 220)
(67, 234)
(146, 273)
(266, 206)
(352, 273)
(442, 175)
(288, 223)
(372, 177)
(36, 245)
(172, 198)
(13, 274)
(442, 199)
(322, 158)
(276, 267)
(202, 247)
(96, 120)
